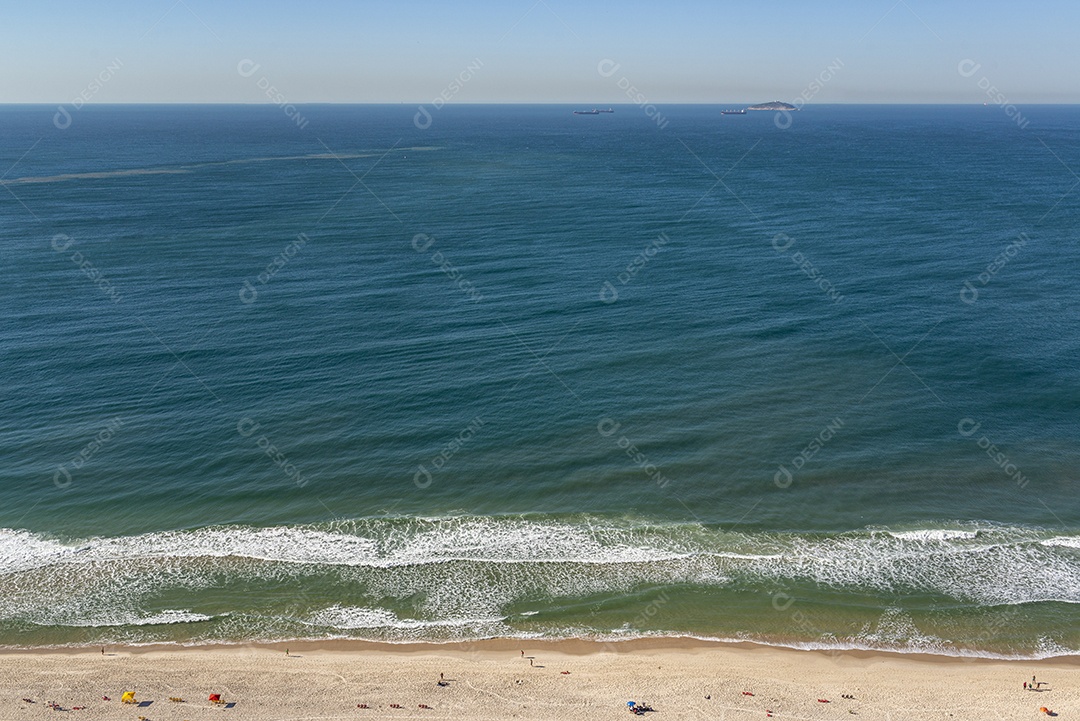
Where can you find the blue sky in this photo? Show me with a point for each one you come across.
(537, 50)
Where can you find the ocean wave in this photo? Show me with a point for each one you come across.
(162, 618)
(354, 617)
(933, 534)
(420, 542)
(944, 560)
(1066, 541)
(476, 568)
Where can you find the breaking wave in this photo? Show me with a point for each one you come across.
(432, 578)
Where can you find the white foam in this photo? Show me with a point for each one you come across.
(439, 541)
(457, 568)
(935, 534)
(22, 550)
(996, 566)
(1066, 541)
(355, 617)
(166, 617)
(478, 567)
(1046, 649)
(923, 644)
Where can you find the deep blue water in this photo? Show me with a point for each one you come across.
(529, 372)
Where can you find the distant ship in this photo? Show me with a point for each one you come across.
(733, 112)
(594, 111)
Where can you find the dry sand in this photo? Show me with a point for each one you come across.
(491, 680)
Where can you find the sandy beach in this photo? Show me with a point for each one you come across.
(679, 678)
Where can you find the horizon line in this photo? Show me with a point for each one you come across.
(524, 103)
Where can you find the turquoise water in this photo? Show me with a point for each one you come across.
(528, 373)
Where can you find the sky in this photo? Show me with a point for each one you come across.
(538, 51)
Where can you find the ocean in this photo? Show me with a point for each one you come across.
(507, 371)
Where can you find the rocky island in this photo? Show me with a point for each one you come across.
(774, 105)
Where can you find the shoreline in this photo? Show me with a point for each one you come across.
(569, 647)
